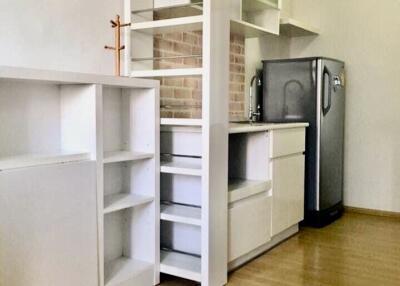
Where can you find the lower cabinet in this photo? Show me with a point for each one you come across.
(249, 224)
(48, 226)
(287, 192)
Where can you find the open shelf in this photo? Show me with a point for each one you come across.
(294, 28)
(181, 265)
(32, 160)
(181, 214)
(241, 188)
(182, 24)
(249, 30)
(182, 72)
(258, 5)
(116, 202)
(123, 156)
(124, 269)
(182, 166)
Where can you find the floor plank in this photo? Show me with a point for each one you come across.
(357, 250)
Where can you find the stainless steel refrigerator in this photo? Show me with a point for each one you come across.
(312, 90)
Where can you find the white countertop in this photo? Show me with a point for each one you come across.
(259, 127)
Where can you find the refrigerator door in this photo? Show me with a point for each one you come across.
(331, 99)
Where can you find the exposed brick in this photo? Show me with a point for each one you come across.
(181, 97)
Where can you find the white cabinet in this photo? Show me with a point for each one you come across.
(287, 172)
(48, 225)
(249, 225)
(86, 211)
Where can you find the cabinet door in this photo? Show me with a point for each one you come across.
(48, 226)
(287, 192)
(249, 225)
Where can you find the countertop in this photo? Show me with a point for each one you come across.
(259, 127)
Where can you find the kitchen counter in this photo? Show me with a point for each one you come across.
(259, 127)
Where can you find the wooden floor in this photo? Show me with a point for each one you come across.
(356, 250)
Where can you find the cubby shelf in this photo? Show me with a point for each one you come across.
(181, 265)
(181, 168)
(242, 188)
(190, 23)
(181, 214)
(116, 202)
(182, 72)
(34, 160)
(249, 30)
(257, 5)
(294, 28)
(123, 269)
(123, 156)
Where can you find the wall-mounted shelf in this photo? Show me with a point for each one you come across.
(117, 202)
(258, 5)
(181, 265)
(294, 28)
(249, 30)
(168, 72)
(182, 24)
(181, 214)
(34, 160)
(123, 156)
(241, 188)
(124, 269)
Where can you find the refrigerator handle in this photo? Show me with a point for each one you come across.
(326, 102)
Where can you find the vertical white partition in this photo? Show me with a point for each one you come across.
(194, 169)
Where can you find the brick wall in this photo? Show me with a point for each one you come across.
(181, 97)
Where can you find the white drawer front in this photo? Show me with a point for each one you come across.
(249, 225)
(287, 141)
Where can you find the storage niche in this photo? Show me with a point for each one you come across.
(39, 121)
(128, 123)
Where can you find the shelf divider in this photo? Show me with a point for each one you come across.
(181, 265)
(181, 24)
(124, 269)
(117, 202)
(123, 156)
(181, 214)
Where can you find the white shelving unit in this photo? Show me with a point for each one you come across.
(194, 152)
(85, 149)
(255, 18)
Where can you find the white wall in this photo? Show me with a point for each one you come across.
(365, 34)
(58, 34)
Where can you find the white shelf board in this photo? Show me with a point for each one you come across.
(122, 201)
(181, 122)
(168, 72)
(122, 269)
(33, 160)
(249, 30)
(182, 168)
(123, 156)
(239, 189)
(182, 24)
(259, 5)
(294, 28)
(181, 214)
(181, 265)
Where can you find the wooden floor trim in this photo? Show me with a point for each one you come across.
(372, 212)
